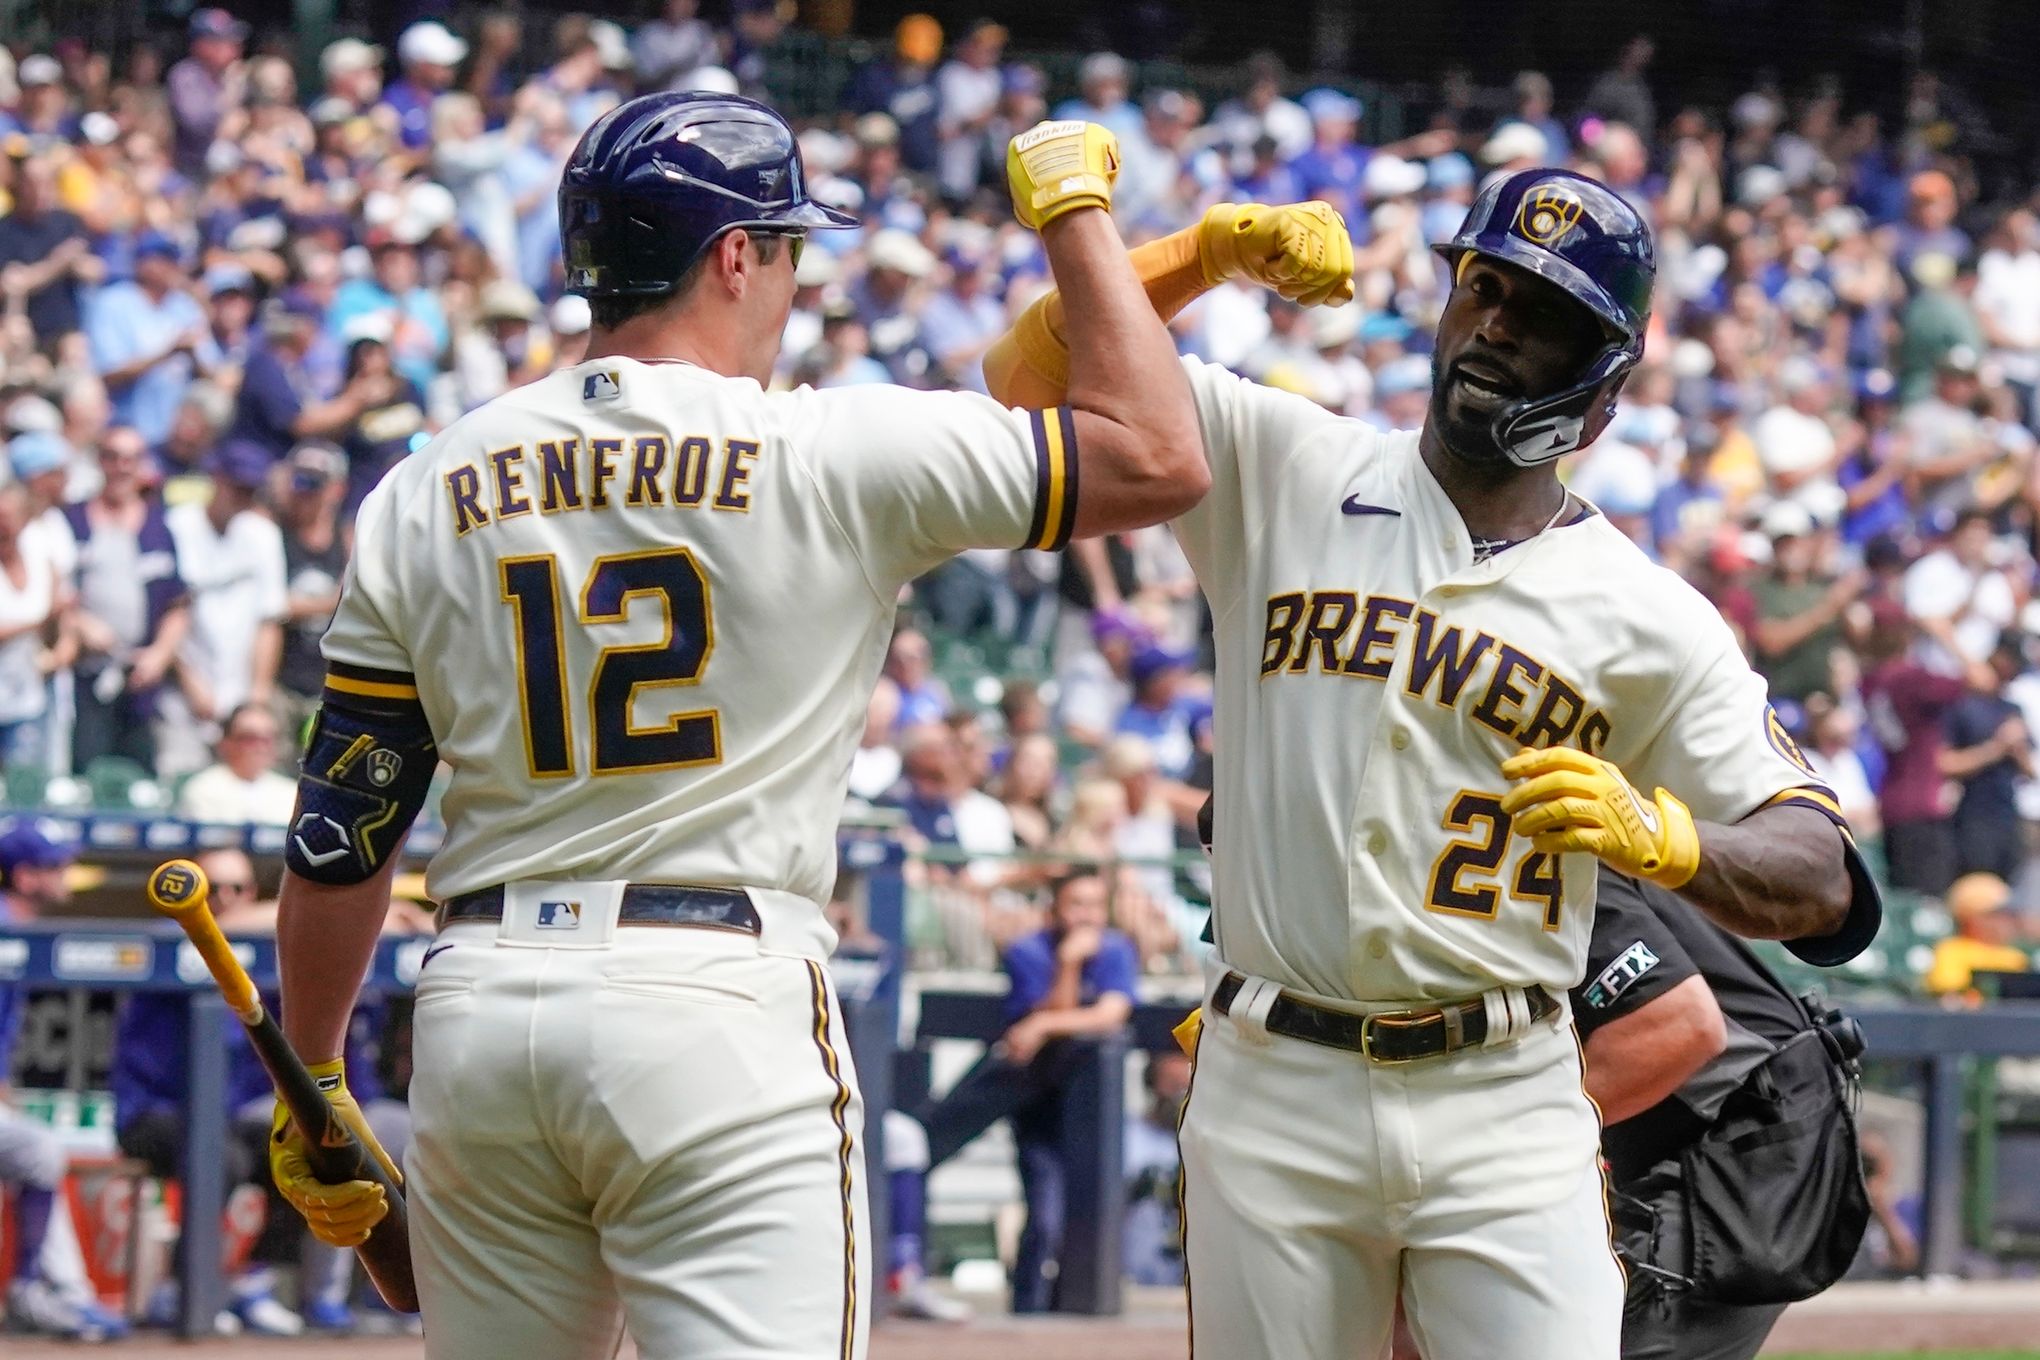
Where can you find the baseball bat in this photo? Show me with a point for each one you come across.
(179, 890)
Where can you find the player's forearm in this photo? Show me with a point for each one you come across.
(1637, 1060)
(1029, 365)
(1778, 874)
(325, 938)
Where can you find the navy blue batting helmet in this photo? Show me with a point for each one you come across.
(656, 180)
(1579, 234)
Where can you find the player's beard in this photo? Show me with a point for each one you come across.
(1470, 439)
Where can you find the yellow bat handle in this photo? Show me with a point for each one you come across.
(180, 891)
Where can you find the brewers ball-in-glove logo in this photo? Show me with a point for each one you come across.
(1548, 214)
(384, 765)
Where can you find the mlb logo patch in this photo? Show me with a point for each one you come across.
(559, 916)
(606, 386)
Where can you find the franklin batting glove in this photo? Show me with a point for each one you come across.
(1058, 167)
(339, 1215)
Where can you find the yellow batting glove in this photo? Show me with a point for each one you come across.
(339, 1215)
(1567, 800)
(1054, 168)
(1300, 250)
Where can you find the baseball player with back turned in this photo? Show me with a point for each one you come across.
(1444, 684)
(638, 607)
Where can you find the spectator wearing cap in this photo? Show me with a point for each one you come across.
(1103, 82)
(1513, 147)
(569, 322)
(1959, 597)
(277, 405)
(1265, 176)
(34, 859)
(671, 46)
(242, 785)
(902, 86)
(888, 301)
(148, 337)
(230, 555)
(428, 52)
(1160, 710)
(967, 100)
(1936, 322)
(1402, 393)
(45, 256)
(206, 86)
(1982, 942)
(1795, 444)
(1834, 751)
(401, 312)
(1989, 754)
(41, 461)
(1095, 682)
(1800, 609)
(1448, 193)
(1948, 440)
(1149, 193)
(469, 159)
(230, 302)
(1332, 166)
(351, 72)
(503, 347)
(315, 549)
(755, 25)
(1907, 705)
(961, 319)
(1874, 464)
(44, 117)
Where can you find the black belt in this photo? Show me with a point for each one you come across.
(1385, 1036)
(644, 904)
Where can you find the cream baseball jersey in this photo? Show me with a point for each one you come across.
(643, 607)
(1372, 676)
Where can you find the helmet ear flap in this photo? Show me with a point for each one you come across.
(1533, 433)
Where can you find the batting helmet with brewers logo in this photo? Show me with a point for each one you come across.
(1580, 235)
(655, 181)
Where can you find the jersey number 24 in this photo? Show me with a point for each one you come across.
(671, 576)
(1465, 876)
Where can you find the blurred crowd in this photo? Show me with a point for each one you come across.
(231, 300)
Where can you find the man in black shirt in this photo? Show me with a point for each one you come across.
(315, 546)
(1675, 1015)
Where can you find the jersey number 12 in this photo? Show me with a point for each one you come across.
(671, 576)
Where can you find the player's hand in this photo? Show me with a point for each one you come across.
(339, 1215)
(1301, 250)
(1567, 800)
(1058, 167)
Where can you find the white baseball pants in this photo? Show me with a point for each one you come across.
(1319, 1186)
(662, 1135)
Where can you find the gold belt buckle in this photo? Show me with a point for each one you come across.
(1367, 1023)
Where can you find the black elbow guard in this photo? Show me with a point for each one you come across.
(366, 770)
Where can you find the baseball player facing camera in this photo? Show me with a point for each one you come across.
(1446, 688)
(637, 607)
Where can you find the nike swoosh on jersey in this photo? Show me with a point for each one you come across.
(1353, 505)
